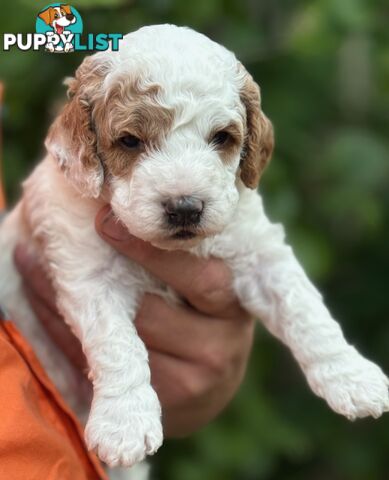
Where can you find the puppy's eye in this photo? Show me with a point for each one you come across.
(130, 141)
(221, 138)
(56, 15)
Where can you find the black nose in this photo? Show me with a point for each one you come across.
(69, 17)
(183, 211)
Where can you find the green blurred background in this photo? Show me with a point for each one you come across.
(324, 71)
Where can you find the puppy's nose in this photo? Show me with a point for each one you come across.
(183, 211)
(69, 17)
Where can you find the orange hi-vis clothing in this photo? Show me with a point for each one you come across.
(40, 438)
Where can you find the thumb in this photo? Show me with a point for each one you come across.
(112, 231)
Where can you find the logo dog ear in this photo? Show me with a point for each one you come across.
(72, 139)
(46, 15)
(259, 142)
(67, 8)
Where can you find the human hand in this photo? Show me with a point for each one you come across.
(198, 352)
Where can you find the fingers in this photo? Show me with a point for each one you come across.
(184, 333)
(34, 276)
(180, 387)
(205, 283)
(174, 378)
(191, 394)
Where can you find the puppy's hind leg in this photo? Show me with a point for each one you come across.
(73, 385)
(140, 471)
(12, 231)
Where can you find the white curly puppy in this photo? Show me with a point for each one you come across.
(170, 132)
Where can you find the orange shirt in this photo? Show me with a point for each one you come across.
(40, 439)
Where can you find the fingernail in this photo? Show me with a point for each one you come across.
(112, 228)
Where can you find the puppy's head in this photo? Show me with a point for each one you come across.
(169, 130)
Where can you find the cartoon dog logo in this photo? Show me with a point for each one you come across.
(58, 18)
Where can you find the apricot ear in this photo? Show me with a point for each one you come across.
(259, 141)
(72, 139)
(72, 142)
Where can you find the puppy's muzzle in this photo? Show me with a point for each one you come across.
(70, 17)
(183, 211)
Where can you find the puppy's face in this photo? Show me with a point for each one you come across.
(169, 130)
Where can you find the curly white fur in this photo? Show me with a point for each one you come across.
(99, 290)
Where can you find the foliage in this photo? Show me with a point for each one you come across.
(324, 71)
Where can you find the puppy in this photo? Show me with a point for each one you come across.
(58, 18)
(170, 132)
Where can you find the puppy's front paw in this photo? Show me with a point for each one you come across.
(123, 430)
(353, 386)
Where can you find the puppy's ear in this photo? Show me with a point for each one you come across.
(67, 8)
(72, 139)
(259, 142)
(46, 15)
